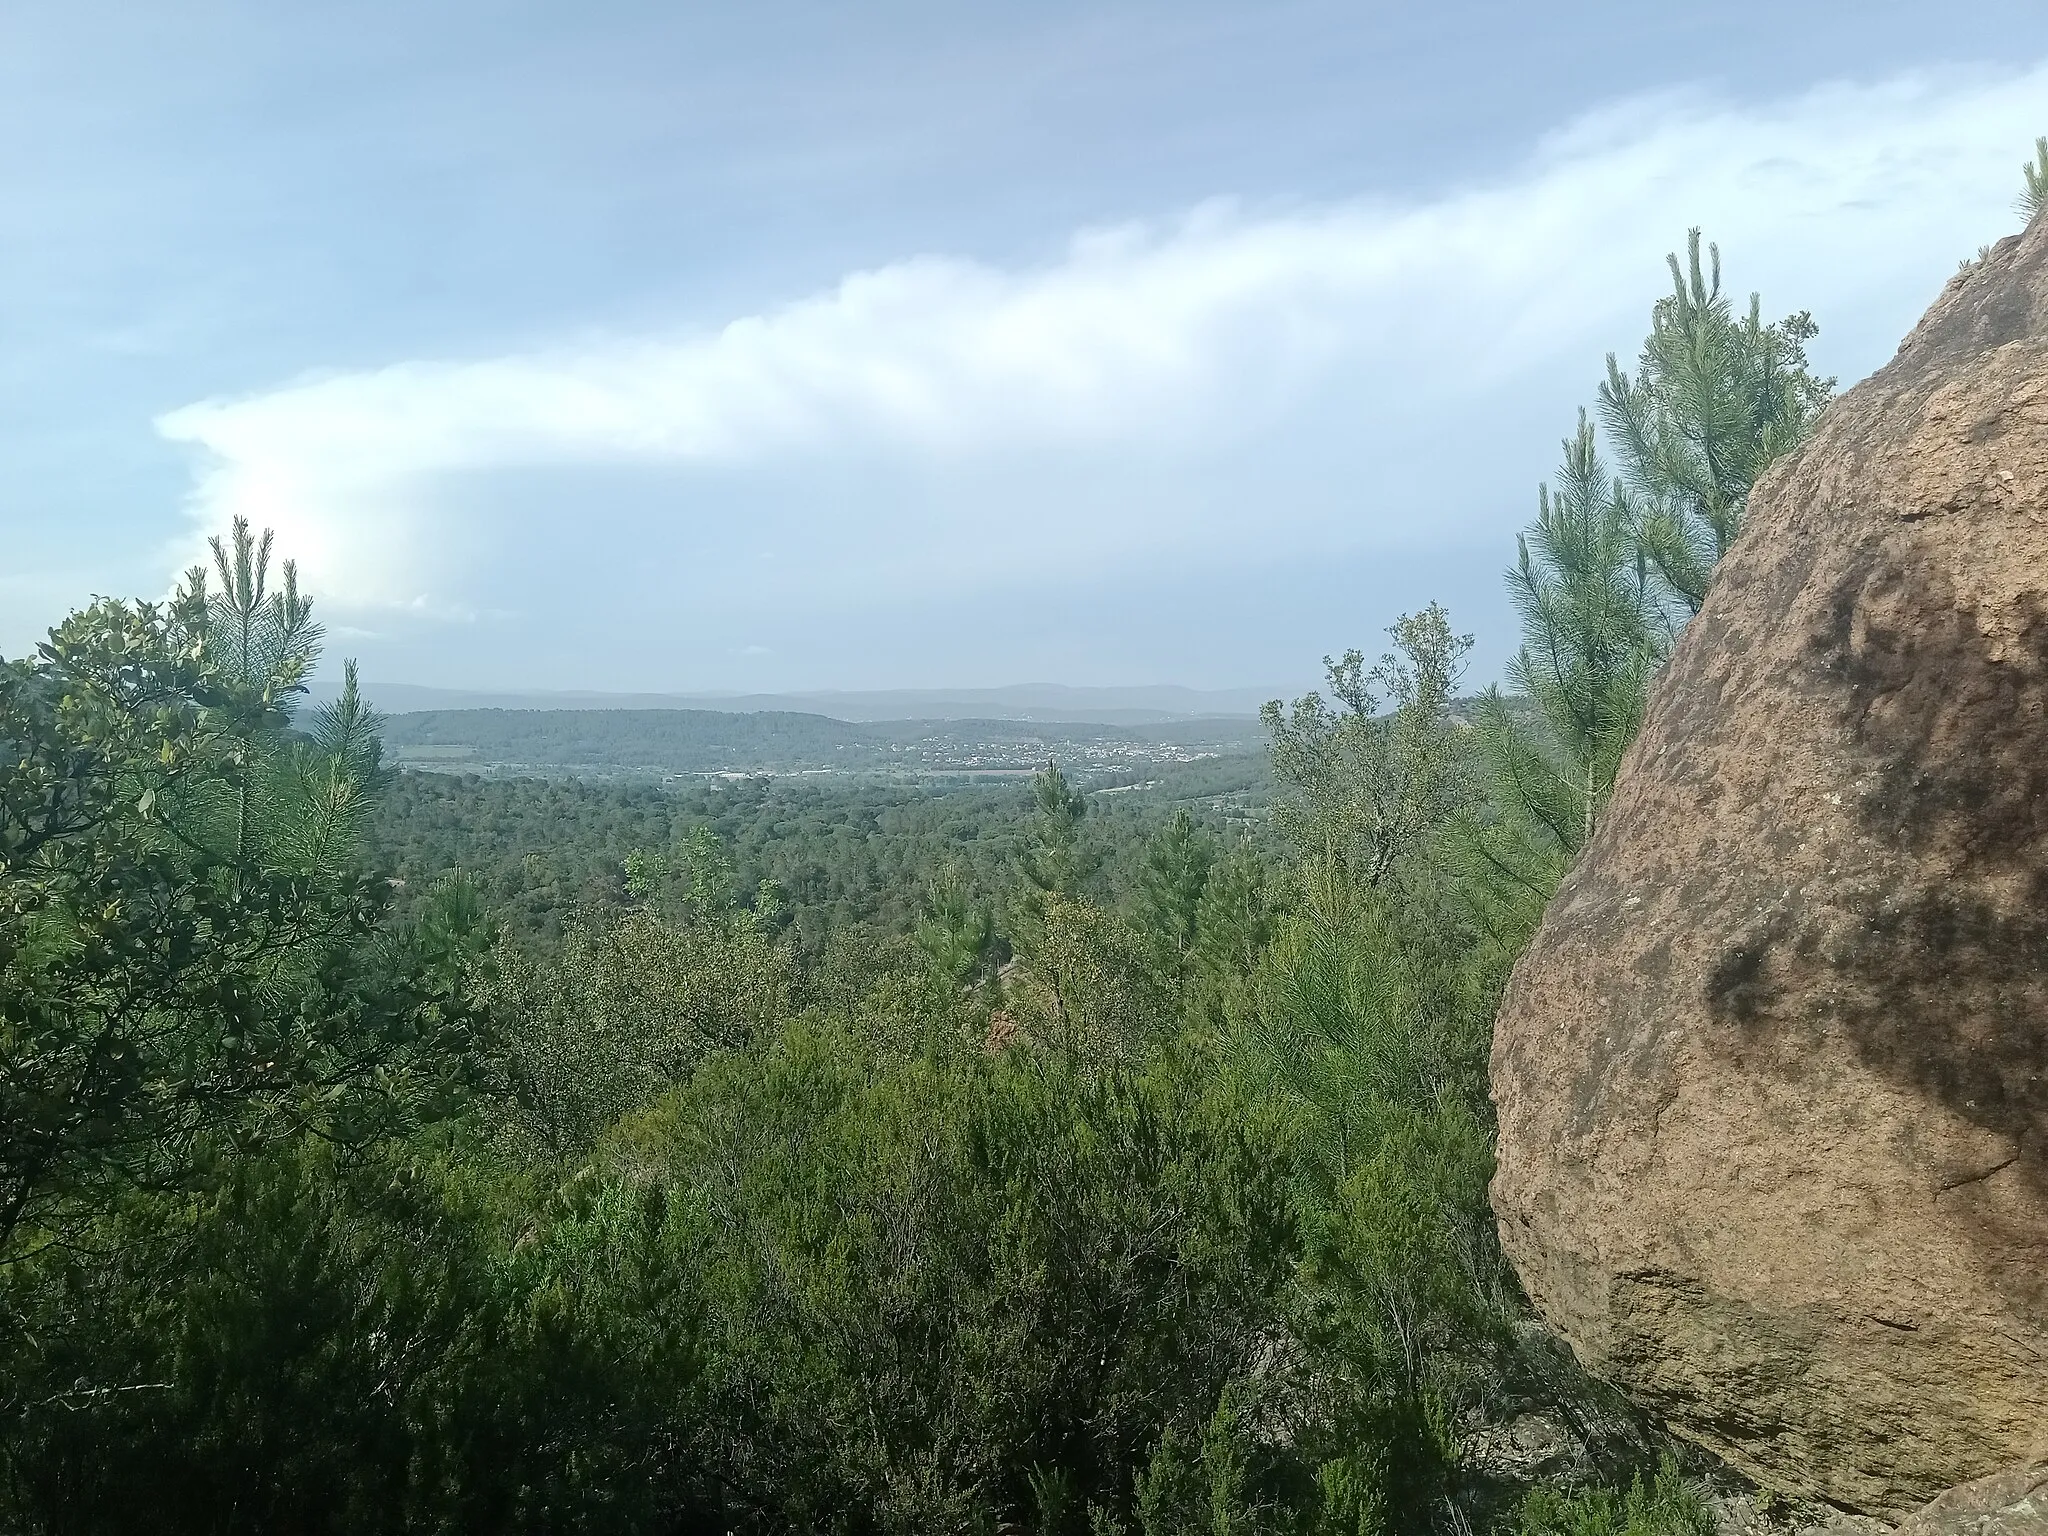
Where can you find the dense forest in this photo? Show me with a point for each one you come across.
(675, 742)
(412, 1152)
(823, 857)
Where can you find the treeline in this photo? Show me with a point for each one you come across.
(1127, 1176)
(550, 854)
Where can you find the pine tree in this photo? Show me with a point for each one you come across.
(1616, 563)
(190, 946)
(1054, 863)
(293, 799)
(319, 793)
(1714, 400)
(1170, 886)
(2035, 197)
(1233, 925)
(1592, 633)
(955, 932)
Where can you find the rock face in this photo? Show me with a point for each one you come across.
(2009, 1504)
(1773, 1077)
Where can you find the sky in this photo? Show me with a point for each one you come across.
(665, 346)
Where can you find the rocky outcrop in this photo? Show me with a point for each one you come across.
(1773, 1077)
(2007, 1504)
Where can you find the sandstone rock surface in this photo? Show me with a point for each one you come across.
(1773, 1076)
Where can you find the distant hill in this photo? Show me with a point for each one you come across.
(1046, 702)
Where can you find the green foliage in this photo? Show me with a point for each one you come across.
(760, 1156)
(1361, 1014)
(1591, 639)
(624, 1011)
(1615, 563)
(1171, 884)
(1233, 925)
(2034, 196)
(1210, 1483)
(956, 933)
(1026, 1269)
(1364, 1019)
(1665, 1506)
(1714, 400)
(550, 854)
(190, 956)
(1370, 1031)
(1371, 789)
(1054, 861)
(1091, 980)
(320, 1345)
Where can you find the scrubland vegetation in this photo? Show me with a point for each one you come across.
(438, 1155)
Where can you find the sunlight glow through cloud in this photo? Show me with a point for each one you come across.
(1208, 339)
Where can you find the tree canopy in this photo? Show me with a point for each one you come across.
(402, 1152)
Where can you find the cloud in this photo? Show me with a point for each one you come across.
(1136, 394)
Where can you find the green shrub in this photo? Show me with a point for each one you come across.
(1665, 1506)
(314, 1347)
(949, 1279)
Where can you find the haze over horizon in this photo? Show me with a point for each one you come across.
(803, 349)
(1058, 703)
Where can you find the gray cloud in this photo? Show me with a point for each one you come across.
(1241, 376)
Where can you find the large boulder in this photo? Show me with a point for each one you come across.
(1771, 1075)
